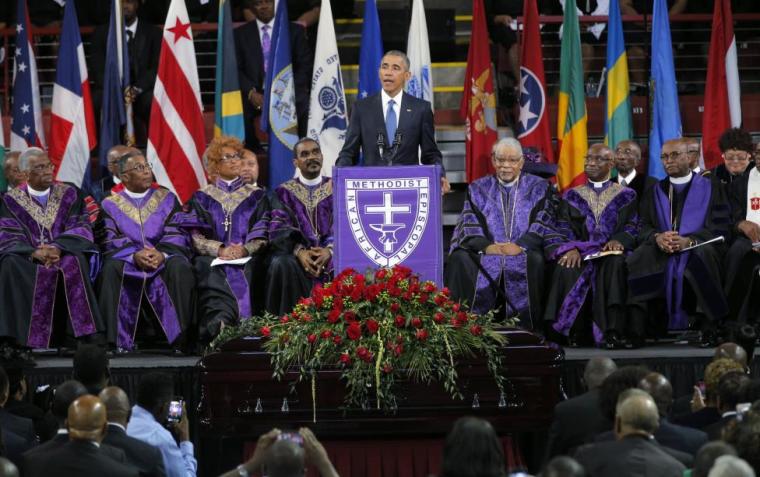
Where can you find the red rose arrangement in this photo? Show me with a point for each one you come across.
(377, 328)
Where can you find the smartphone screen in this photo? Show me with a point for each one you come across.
(175, 411)
(291, 436)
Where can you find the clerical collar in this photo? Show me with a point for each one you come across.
(136, 195)
(696, 170)
(597, 185)
(116, 180)
(37, 193)
(629, 178)
(230, 182)
(310, 182)
(508, 184)
(681, 180)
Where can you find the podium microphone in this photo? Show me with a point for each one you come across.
(381, 142)
(397, 138)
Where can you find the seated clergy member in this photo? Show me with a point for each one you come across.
(736, 150)
(146, 269)
(680, 211)
(627, 158)
(694, 150)
(46, 252)
(743, 259)
(233, 225)
(497, 247)
(13, 177)
(249, 167)
(105, 186)
(301, 231)
(599, 216)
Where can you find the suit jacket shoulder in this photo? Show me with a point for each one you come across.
(76, 458)
(139, 454)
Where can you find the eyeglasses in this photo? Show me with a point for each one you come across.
(739, 156)
(43, 167)
(672, 156)
(138, 168)
(230, 157)
(627, 152)
(595, 159)
(513, 160)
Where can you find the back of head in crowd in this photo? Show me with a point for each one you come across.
(596, 371)
(658, 386)
(716, 370)
(117, 405)
(731, 466)
(87, 419)
(8, 468)
(730, 389)
(154, 391)
(627, 377)
(706, 456)
(745, 437)
(66, 393)
(636, 413)
(91, 368)
(472, 449)
(285, 458)
(563, 466)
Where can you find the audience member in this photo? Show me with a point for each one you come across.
(8, 468)
(18, 435)
(146, 458)
(149, 418)
(579, 419)
(563, 466)
(745, 437)
(730, 387)
(635, 453)
(627, 158)
(91, 367)
(105, 186)
(249, 167)
(45, 425)
(694, 151)
(705, 408)
(707, 455)
(301, 231)
(736, 150)
(731, 466)
(11, 172)
(472, 449)
(627, 377)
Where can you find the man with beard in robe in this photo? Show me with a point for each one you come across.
(146, 271)
(233, 231)
(496, 253)
(599, 216)
(743, 258)
(301, 231)
(46, 258)
(677, 213)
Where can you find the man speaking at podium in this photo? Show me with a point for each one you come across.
(392, 128)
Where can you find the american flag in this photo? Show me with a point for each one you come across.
(26, 127)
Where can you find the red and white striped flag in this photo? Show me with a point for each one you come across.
(722, 91)
(72, 123)
(176, 136)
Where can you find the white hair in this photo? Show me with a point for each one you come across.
(509, 142)
(731, 466)
(24, 157)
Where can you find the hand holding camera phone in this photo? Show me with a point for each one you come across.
(174, 414)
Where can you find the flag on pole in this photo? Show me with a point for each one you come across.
(228, 101)
(420, 85)
(115, 114)
(618, 124)
(278, 115)
(176, 136)
(72, 122)
(666, 116)
(26, 126)
(572, 118)
(327, 106)
(533, 122)
(722, 91)
(370, 52)
(3, 180)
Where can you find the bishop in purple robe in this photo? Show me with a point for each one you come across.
(588, 293)
(669, 278)
(301, 233)
(146, 269)
(47, 258)
(496, 256)
(232, 234)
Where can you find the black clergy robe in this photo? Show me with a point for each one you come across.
(588, 218)
(31, 292)
(227, 214)
(494, 213)
(742, 284)
(688, 282)
(302, 217)
(127, 292)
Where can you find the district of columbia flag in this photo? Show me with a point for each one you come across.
(278, 114)
(26, 113)
(420, 84)
(228, 101)
(72, 122)
(176, 136)
(478, 105)
(572, 119)
(722, 91)
(328, 120)
(533, 123)
(618, 124)
(370, 52)
(665, 113)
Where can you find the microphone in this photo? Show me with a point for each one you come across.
(397, 138)
(381, 142)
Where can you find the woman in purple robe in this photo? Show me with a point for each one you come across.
(232, 235)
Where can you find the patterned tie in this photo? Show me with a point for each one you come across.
(390, 122)
(266, 45)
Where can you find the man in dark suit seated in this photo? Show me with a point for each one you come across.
(578, 419)
(635, 452)
(82, 455)
(730, 393)
(392, 127)
(627, 158)
(146, 458)
(16, 426)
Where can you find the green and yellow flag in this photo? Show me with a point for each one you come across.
(228, 100)
(571, 124)
(618, 122)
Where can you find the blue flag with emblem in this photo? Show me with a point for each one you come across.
(278, 115)
(370, 52)
(228, 101)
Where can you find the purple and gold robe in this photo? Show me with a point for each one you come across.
(302, 217)
(130, 224)
(588, 218)
(494, 213)
(28, 288)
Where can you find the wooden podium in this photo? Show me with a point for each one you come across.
(240, 400)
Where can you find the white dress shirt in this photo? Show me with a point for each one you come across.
(396, 107)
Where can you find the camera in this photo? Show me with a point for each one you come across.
(175, 411)
(292, 437)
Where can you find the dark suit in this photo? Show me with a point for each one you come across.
(700, 419)
(20, 426)
(146, 458)
(415, 127)
(715, 430)
(678, 438)
(77, 458)
(632, 456)
(576, 421)
(43, 451)
(640, 183)
(250, 60)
